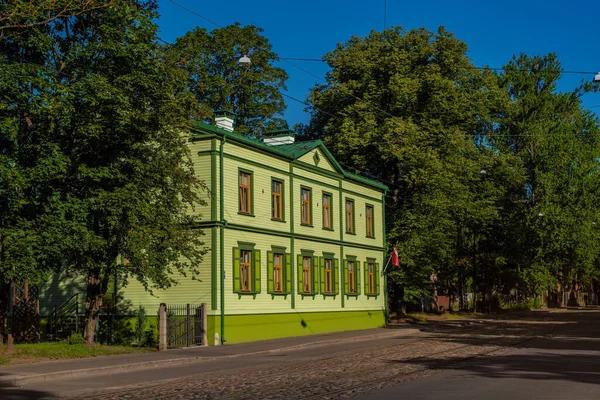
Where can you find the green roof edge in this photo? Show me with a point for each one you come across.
(310, 145)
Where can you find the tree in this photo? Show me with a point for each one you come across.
(410, 108)
(19, 15)
(110, 119)
(251, 92)
(558, 143)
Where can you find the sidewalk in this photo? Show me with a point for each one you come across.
(20, 374)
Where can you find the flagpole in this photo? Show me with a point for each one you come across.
(386, 265)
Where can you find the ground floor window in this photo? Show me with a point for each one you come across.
(246, 269)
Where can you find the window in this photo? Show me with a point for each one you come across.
(307, 274)
(308, 283)
(328, 267)
(349, 216)
(327, 217)
(370, 278)
(278, 273)
(369, 213)
(328, 276)
(305, 206)
(279, 280)
(351, 278)
(277, 200)
(371, 275)
(245, 194)
(246, 269)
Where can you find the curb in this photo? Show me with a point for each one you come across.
(19, 380)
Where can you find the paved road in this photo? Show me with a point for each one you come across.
(538, 356)
(562, 365)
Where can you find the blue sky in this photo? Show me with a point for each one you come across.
(494, 31)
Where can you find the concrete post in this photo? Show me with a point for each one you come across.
(204, 325)
(162, 327)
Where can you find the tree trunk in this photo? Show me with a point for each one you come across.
(4, 300)
(96, 289)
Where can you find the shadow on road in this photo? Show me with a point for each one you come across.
(547, 346)
(11, 392)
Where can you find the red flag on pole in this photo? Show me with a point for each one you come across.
(395, 258)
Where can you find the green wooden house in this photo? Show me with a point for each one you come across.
(296, 243)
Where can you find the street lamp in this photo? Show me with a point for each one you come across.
(244, 60)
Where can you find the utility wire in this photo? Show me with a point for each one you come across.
(286, 61)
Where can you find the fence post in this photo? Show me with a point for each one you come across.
(162, 327)
(188, 319)
(204, 325)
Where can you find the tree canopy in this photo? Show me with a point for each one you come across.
(219, 82)
(472, 157)
(104, 140)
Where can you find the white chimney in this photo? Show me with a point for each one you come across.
(224, 120)
(276, 138)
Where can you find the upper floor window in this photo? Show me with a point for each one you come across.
(369, 214)
(327, 216)
(349, 216)
(245, 194)
(277, 200)
(305, 206)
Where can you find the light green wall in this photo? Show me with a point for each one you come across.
(187, 290)
(324, 163)
(248, 328)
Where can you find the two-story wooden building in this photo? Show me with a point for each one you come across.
(296, 243)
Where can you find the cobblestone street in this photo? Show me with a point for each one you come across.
(327, 373)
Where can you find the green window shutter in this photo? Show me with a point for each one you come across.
(376, 278)
(315, 274)
(345, 273)
(237, 284)
(366, 277)
(300, 280)
(357, 274)
(288, 273)
(270, 273)
(322, 274)
(256, 271)
(336, 278)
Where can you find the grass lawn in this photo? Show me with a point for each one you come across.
(28, 353)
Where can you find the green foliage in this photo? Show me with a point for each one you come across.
(141, 325)
(472, 158)
(218, 82)
(101, 166)
(75, 338)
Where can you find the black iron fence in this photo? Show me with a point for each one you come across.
(184, 325)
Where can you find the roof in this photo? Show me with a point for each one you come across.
(288, 151)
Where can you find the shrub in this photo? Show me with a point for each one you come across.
(141, 324)
(75, 338)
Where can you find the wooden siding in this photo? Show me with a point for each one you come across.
(324, 163)
(188, 290)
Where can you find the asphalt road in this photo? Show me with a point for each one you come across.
(541, 355)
